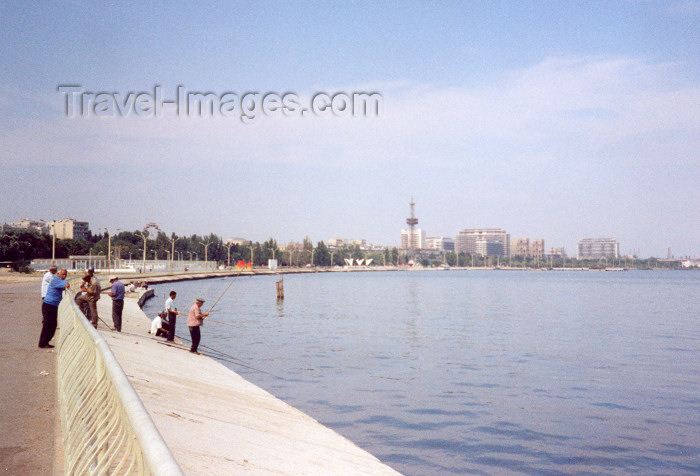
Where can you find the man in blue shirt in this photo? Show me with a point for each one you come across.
(117, 293)
(49, 308)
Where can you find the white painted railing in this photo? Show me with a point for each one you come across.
(106, 428)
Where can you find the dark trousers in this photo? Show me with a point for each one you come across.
(117, 308)
(48, 329)
(83, 305)
(171, 331)
(161, 332)
(196, 337)
(92, 305)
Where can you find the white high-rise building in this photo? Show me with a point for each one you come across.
(440, 243)
(597, 248)
(413, 242)
(466, 241)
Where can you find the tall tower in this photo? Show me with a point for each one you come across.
(412, 221)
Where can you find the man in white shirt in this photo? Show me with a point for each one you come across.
(47, 279)
(172, 314)
(159, 327)
(44, 287)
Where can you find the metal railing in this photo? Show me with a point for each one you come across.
(106, 428)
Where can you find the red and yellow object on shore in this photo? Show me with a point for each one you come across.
(243, 265)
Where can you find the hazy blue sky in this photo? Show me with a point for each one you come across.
(559, 120)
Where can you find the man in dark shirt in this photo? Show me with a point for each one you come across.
(117, 294)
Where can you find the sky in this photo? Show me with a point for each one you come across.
(550, 119)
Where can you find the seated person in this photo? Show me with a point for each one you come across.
(160, 326)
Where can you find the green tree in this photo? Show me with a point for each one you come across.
(322, 256)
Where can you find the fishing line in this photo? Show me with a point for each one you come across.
(232, 359)
(219, 322)
(222, 355)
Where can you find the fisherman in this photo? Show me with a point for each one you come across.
(117, 294)
(160, 326)
(82, 304)
(172, 312)
(195, 319)
(92, 295)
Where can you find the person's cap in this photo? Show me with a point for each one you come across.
(113, 277)
(91, 269)
(199, 299)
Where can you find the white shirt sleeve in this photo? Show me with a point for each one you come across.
(45, 283)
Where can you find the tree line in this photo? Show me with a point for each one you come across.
(19, 247)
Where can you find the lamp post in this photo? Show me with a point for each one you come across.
(53, 246)
(172, 250)
(109, 249)
(206, 251)
(252, 255)
(143, 235)
(228, 251)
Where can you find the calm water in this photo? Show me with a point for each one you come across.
(478, 372)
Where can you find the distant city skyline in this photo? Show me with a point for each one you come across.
(453, 243)
(559, 121)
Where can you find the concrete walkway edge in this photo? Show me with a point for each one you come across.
(216, 422)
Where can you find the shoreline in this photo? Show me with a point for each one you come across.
(216, 422)
(171, 276)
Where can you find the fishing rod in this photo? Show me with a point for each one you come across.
(227, 288)
(103, 322)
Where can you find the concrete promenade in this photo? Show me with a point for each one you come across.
(30, 441)
(214, 421)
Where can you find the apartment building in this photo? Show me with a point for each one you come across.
(440, 243)
(69, 229)
(598, 248)
(466, 241)
(413, 241)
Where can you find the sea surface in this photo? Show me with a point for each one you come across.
(475, 372)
